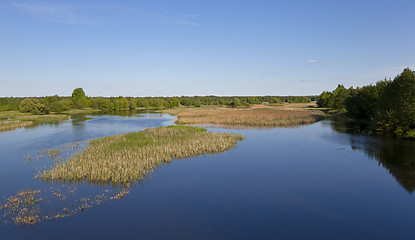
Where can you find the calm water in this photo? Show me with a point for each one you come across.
(315, 181)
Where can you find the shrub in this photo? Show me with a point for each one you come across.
(61, 106)
(32, 105)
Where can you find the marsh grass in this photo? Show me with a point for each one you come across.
(55, 154)
(50, 118)
(14, 119)
(260, 117)
(11, 125)
(130, 157)
(82, 111)
(263, 115)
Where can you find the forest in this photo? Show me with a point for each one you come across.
(79, 100)
(387, 106)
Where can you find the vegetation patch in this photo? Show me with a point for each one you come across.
(30, 207)
(388, 106)
(126, 158)
(11, 120)
(23, 207)
(269, 117)
(11, 125)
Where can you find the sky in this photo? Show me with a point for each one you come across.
(223, 48)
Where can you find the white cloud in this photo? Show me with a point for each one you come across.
(312, 61)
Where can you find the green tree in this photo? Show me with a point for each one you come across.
(79, 99)
(142, 102)
(120, 103)
(61, 105)
(276, 100)
(133, 103)
(32, 105)
(251, 100)
(107, 105)
(339, 96)
(173, 102)
(364, 103)
(324, 99)
(197, 103)
(236, 103)
(397, 104)
(185, 101)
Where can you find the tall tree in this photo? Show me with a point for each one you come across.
(79, 99)
(398, 103)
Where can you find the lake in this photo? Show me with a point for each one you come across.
(314, 181)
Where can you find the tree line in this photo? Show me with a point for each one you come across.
(388, 105)
(79, 100)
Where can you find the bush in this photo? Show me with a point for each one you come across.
(32, 105)
(276, 100)
(61, 106)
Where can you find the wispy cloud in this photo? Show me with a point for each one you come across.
(312, 61)
(95, 14)
(182, 19)
(183, 22)
(56, 12)
(35, 8)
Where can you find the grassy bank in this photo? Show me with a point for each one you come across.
(81, 111)
(129, 157)
(261, 115)
(12, 119)
(11, 125)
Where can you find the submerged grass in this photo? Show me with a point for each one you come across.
(30, 207)
(129, 157)
(23, 207)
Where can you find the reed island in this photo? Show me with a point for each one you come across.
(126, 158)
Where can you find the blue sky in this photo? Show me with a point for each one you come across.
(226, 47)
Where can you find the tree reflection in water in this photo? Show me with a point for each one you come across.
(395, 154)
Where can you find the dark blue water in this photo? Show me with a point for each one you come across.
(315, 181)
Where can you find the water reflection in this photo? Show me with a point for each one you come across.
(395, 154)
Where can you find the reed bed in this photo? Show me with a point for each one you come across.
(126, 158)
(249, 117)
(11, 125)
